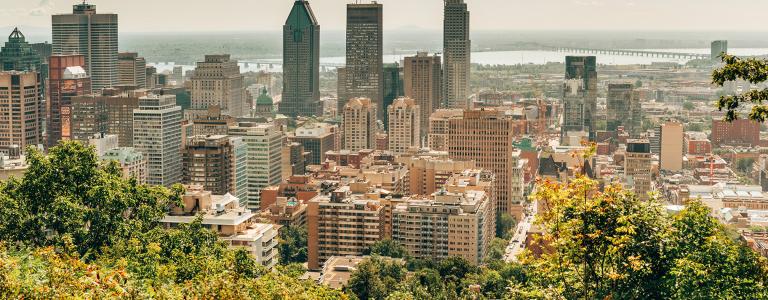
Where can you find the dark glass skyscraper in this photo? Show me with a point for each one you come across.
(457, 52)
(364, 68)
(393, 87)
(301, 63)
(18, 55)
(92, 35)
(580, 94)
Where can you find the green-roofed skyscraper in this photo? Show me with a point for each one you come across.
(301, 63)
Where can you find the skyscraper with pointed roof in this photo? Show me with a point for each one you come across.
(301, 63)
(18, 55)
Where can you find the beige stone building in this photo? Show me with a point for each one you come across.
(21, 116)
(429, 171)
(341, 224)
(234, 224)
(671, 156)
(439, 121)
(637, 167)
(422, 82)
(486, 137)
(404, 125)
(217, 81)
(448, 223)
(359, 124)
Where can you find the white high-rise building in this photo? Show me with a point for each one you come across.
(404, 125)
(456, 51)
(157, 134)
(264, 159)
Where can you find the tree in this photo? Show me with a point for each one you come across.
(292, 245)
(504, 225)
(376, 277)
(69, 195)
(688, 105)
(744, 165)
(753, 70)
(387, 247)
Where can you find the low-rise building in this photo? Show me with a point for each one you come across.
(132, 162)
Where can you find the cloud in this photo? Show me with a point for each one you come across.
(44, 8)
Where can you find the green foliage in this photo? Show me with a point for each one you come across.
(73, 228)
(505, 223)
(753, 70)
(376, 277)
(744, 165)
(292, 245)
(388, 248)
(688, 105)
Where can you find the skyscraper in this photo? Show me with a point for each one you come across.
(422, 80)
(264, 158)
(157, 135)
(637, 167)
(671, 156)
(92, 35)
(217, 81)
(301, 63)
(457, 52)
(393, 87)
(105, 114)
(359, 124)
(580, 94)
(718, 48)
(18, 55)
(623, 108)
(21, 109)
(217, 163)
(68, 79)
(404, 125)
(131, 70)
(364, 67)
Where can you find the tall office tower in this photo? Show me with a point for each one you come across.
(131, 70)
(21, 109)
(217, 81)
(582, 96)
(637, 167)
(487, 136)
(157, 134)
(105, 114)
(218, 163)
(264, 167)
(457, 51)
(439, 128)
(365, 65)
(359, 124)
(151, 75)
(92, 35)
(624, 109)
(718, 48)
(341, 224)
(671, 158)
(404, 125)
(423, 82)
(317, 139)
(178, 75)
(67, 79)
(301, 63)
(393, 87)
(18, 55)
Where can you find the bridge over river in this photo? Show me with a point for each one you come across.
(625, 52)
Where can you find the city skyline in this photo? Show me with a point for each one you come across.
(554, 15)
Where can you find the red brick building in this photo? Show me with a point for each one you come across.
(741, 132)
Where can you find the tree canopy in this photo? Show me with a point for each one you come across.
(752, 70)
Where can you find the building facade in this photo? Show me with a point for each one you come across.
(67, 79)
(317, 139)
(157, 135)
(21, 109)
(106, 114)
(218, 163)
(404, 125)
(264, 157)
(18, 55)
(671, 157)
(92, 35)
(364, 61)
(624, 109)
(217, 81)
(131, 70)
(301, 63)
(637, 167)
(580, 94)
(457, 51)
(132, 162)
(422, 81)
(359, 124)
(742, 132)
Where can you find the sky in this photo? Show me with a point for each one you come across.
(269, 15)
